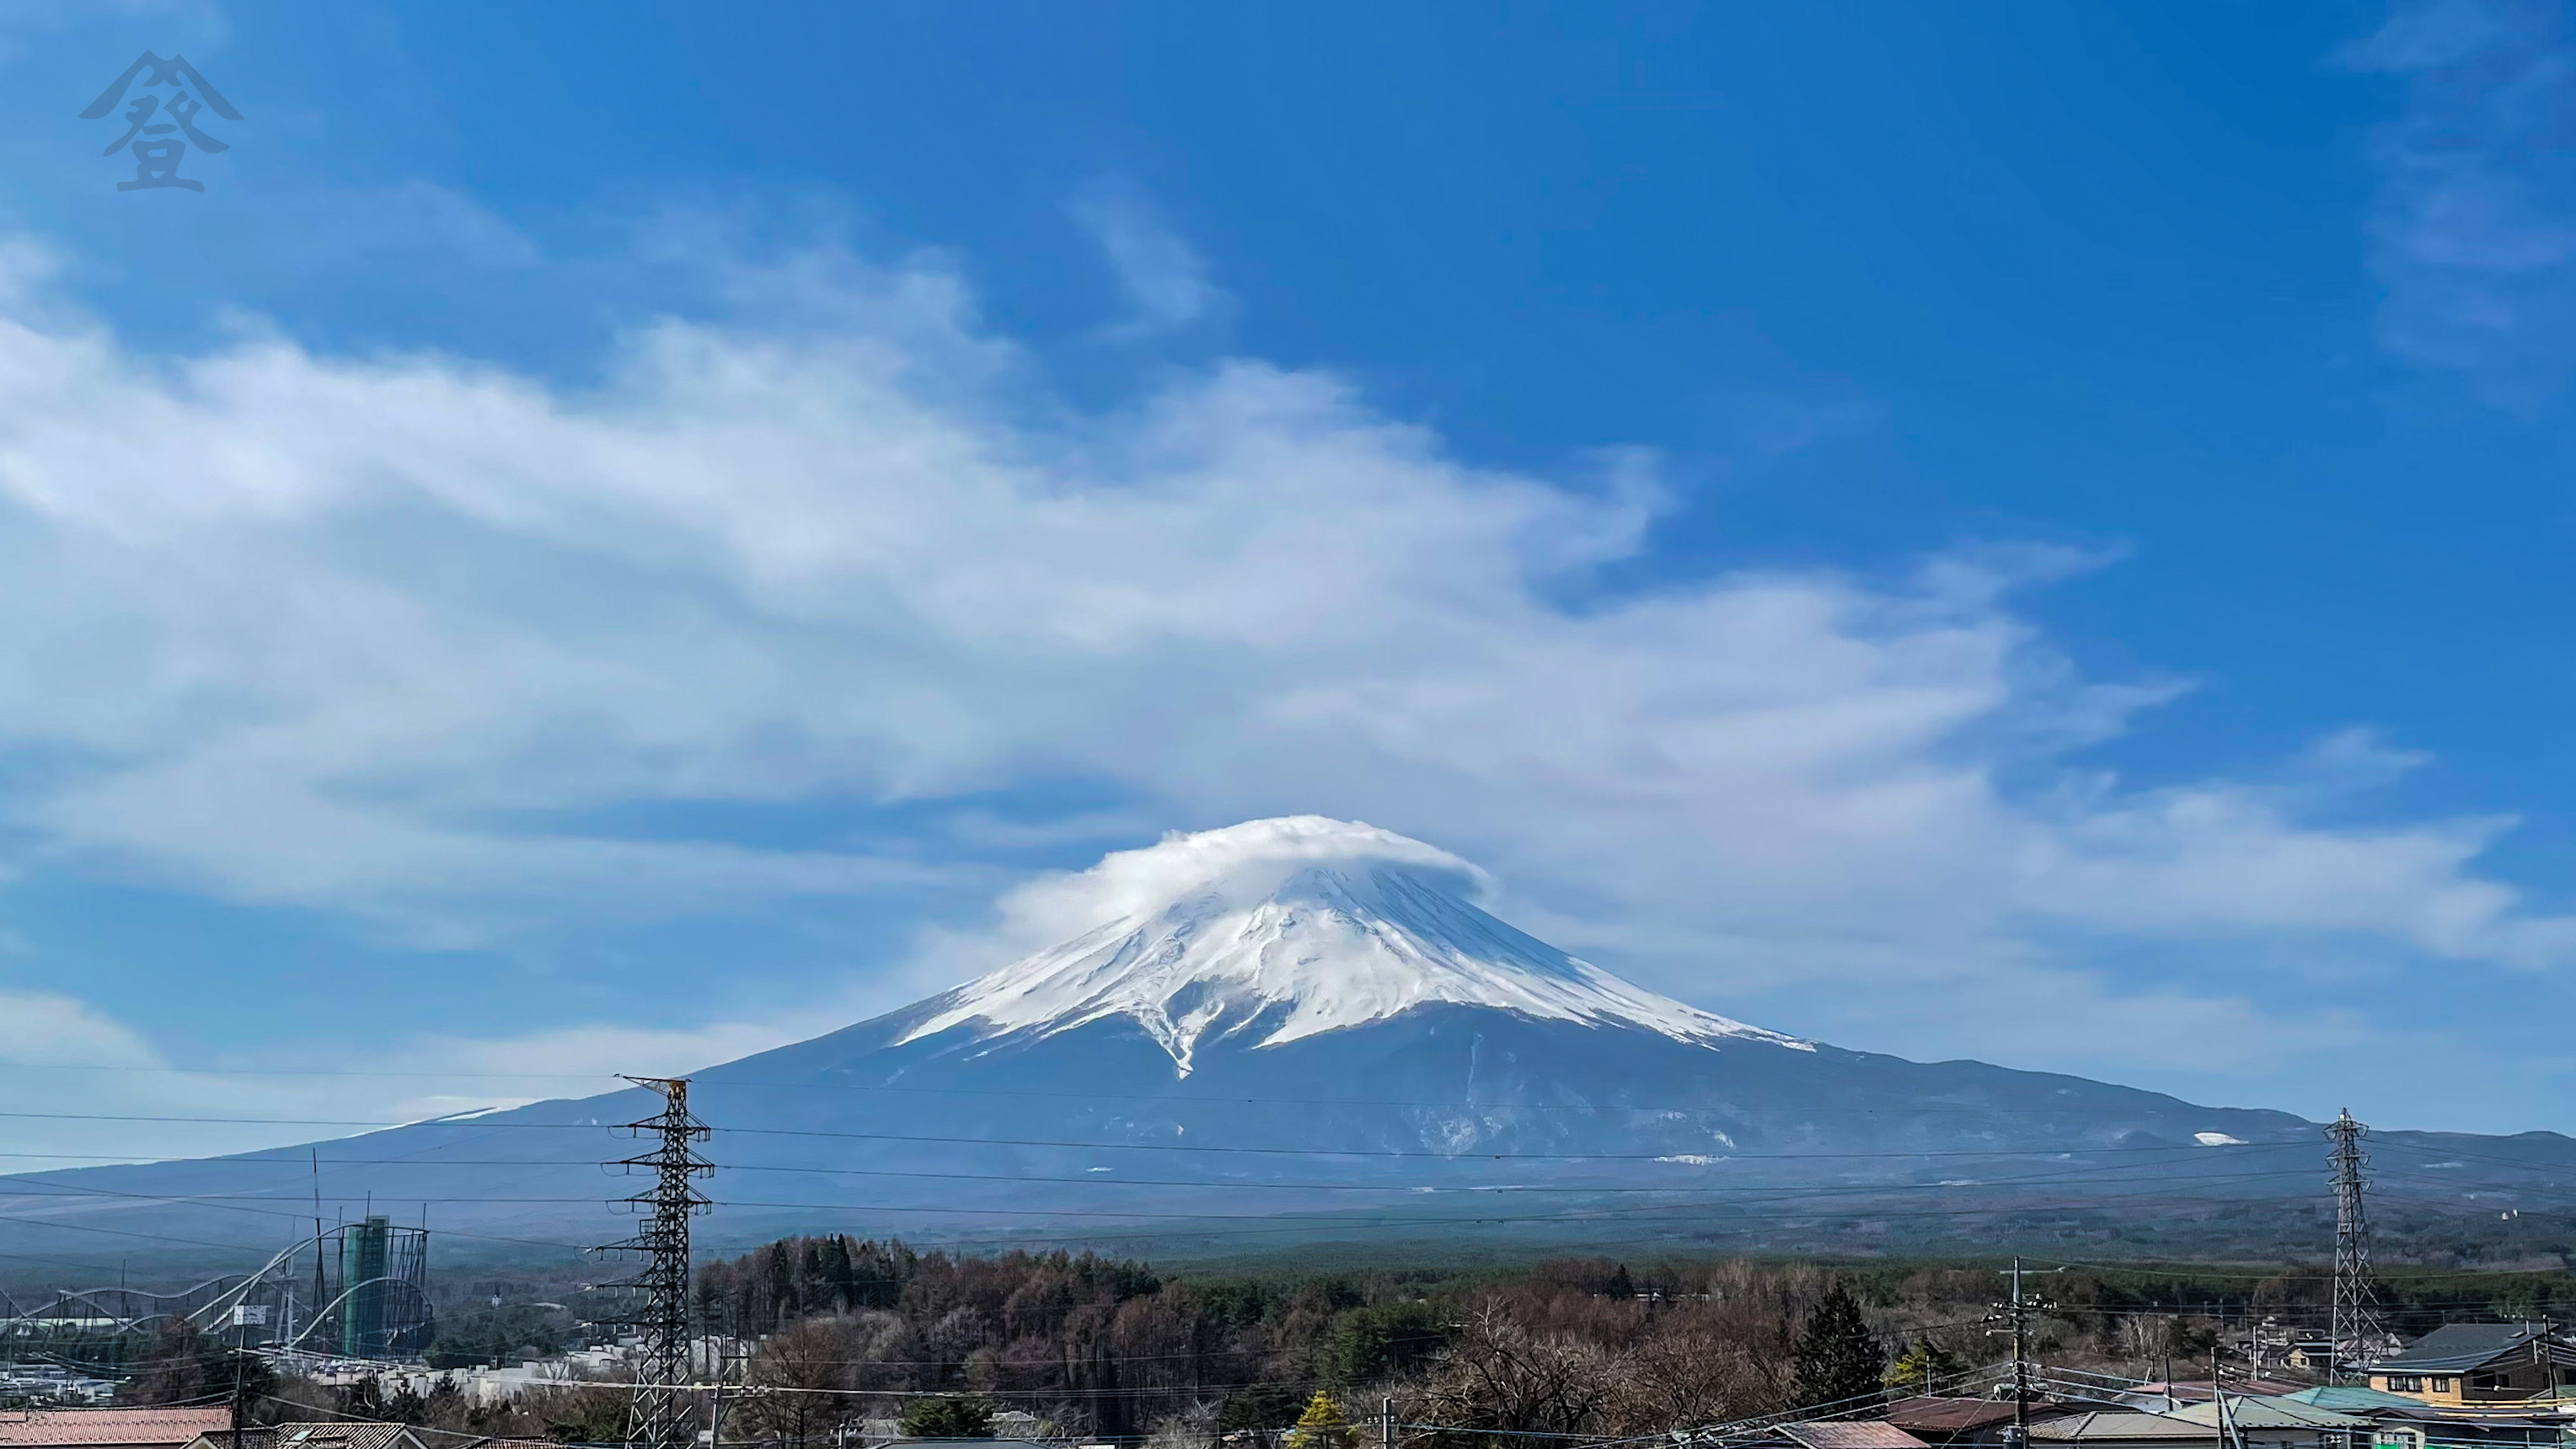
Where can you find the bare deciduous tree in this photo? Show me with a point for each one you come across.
(1504, 1376)
(796, 1379)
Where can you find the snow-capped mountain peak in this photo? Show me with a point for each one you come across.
(1285, 929)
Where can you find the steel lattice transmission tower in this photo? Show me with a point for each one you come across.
(2356, 1324)
(658, 1419)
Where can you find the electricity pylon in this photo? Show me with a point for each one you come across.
(2356, 1325)
(657, 1419)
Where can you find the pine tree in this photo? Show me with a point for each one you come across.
(1323, 1426)
(1838, 1361)
(778, 1275)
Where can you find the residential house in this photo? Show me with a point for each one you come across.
(2470, 1427)
(2476, 1363)
(2314, 1352)
(2401, 1422)
(2283, 1421)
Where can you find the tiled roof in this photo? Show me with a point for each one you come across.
(110, 1426)
(333, 1434)
(1850, 1434)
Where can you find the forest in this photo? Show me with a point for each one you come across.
(838, 1333)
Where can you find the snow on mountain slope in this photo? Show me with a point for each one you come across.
(1289, 928)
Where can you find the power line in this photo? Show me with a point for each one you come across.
(1683, 1204)
(1089, 1179)
(1750, 1193)
(1677, 1159)
(730, 1083)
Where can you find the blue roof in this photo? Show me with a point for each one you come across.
(2339, 1396)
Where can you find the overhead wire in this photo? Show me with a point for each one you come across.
(1144, 1215)
(1964, 1108)
(953, 1140)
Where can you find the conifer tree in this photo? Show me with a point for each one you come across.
(1836, 1368)
(948, 1416)
(1323, 1426)
(1922, 1367)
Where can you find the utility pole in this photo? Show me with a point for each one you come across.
(2228, 1432)
(655, 1420)
(2269, 1335)
(1386, 1423)
(725, 1360)
(2354, 1325)
(2016, 1312)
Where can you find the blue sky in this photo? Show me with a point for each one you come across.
(610, 536)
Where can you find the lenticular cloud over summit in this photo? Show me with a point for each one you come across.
(1241, 863)
(1273, 931)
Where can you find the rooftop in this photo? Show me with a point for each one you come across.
(340, 1434)
(2191, 1391)
(112, 1426)
(2459, 1347)
(2271, 1413)
(2349, 1399)
(1936, 1414)
(1850, 1434)
(2109, 1426)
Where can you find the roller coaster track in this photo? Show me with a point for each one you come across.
(120, 1312)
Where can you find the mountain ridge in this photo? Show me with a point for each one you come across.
(1301, 1029)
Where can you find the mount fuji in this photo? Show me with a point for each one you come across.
(1289, 929)
(1291, 1030)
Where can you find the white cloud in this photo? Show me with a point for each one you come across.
(405, 222)
(373, 635)
(1163, 276)
(1243, 862)
(61, 1055)
(43, 1026)
(2477, 217)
